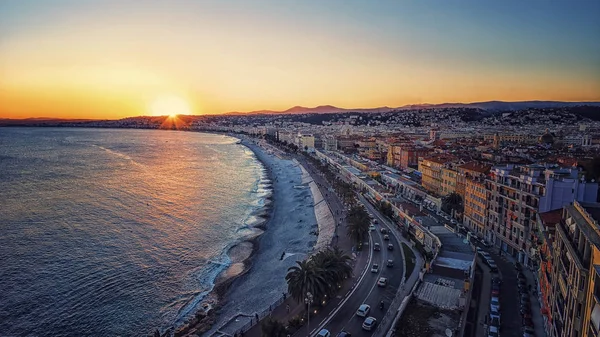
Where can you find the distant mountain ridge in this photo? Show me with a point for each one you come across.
(489, 105)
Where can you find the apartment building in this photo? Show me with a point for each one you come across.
(469, 170)
(475, 203)
(431, 173)
(329, 143)
(574, 288)
(517, 194)
(448, 180)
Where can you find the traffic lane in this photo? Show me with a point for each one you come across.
(510, 316)
(378, 294)
(339, 321)
(369, 293)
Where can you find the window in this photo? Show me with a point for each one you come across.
(579, 310)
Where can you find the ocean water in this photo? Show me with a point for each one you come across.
(117, 232)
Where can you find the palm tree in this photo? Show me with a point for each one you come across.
(273, 328)
(452, 201)
(306, 277)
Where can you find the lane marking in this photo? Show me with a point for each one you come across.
(339, 307)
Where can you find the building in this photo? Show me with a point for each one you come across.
(475, 203)
(305, 141)
(574, 297)
(431, 172)
(516, 194)
(448, 180)
(469, 170)
(329, 143)
(405, 155)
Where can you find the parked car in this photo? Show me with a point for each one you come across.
(495, 304)
(494, 317)
(493, 331)
(390, 246)
(452, 221)
(484, 255)
(324, 333)
(363, 310)
(492, 265)
(375, 268)
(344, 334)
(369, 323)
(376, 246)
(382, 282)
(390, 263)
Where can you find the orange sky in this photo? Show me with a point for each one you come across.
(108, 60)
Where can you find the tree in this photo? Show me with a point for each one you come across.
(273, 328)
(358, 224)
(306, 277)
(386, 209)
(452, 201)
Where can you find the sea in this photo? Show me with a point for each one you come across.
(115, 232)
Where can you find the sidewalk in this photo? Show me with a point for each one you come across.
(538, 320)
(290, 308)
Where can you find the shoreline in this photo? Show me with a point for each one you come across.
(243, 254)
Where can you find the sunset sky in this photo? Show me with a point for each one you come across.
(112, 59)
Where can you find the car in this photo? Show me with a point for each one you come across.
(495, 304)
(384, 230)
(375, 221)
(376, 246)
(324, 333)
(484, 255)
(369, 323)
(485, 244)
(343, 334)
(496, 280)
(390, 263)
(371, 228)
(375, 268)
(363, 310)
(496, 292)
(494, 318)
(382, 282)
(494, 331)
(390, 246)
(452, 221)
(386, 237)
(492, 265)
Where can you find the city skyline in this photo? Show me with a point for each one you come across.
(67, 59)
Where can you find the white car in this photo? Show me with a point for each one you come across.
(382, 282)
(371, 228)
(495, 304)
(493, 332)
(324, 333)
(369, 323)
(453, 222)
(375, 268)
(363, 310)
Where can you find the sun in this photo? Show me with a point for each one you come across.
(169, 105)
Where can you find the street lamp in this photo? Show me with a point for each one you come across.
(308, 300)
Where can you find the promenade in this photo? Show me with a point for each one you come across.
(290, 308)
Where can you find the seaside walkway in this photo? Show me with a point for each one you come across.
(290, 308)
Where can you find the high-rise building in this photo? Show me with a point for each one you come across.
(517, 194)
(574, 296)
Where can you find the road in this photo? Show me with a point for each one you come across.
(368, 292)
(344, 318)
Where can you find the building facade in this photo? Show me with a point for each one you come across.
(475, 203)
(576, 238)
(448, 180)
(516, 194)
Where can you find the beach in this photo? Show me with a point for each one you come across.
(286, 232)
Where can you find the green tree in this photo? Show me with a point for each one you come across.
(452, 201)
(306, 277)
(358, 224)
